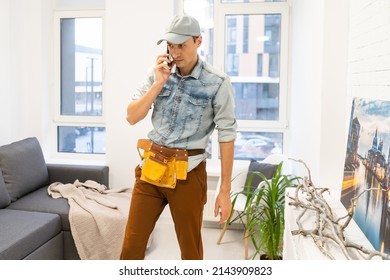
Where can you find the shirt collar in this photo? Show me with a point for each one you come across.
(195, 72)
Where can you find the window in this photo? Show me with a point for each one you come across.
(250, 1)
(79, 118)
(250, 41)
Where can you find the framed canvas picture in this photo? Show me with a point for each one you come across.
(367, 169)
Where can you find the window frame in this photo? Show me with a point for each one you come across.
(67, 120)
(221, 10)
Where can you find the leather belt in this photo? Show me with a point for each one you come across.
(182, 154)
(195, 152)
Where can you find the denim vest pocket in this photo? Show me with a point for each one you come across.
(198, 101)
(195, 110)
(160, 107)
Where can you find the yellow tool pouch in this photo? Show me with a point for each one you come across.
(162, 166)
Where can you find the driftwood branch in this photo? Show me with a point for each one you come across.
(328, 229)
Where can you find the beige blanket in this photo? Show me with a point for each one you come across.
(97, 217)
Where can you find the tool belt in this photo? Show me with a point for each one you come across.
(162, 166)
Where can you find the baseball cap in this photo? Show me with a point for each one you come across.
(181, 29)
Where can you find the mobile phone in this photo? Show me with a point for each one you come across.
(170, 57)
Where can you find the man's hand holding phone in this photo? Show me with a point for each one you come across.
(169, 62)
(163, 67)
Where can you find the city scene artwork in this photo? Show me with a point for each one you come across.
(367, 169)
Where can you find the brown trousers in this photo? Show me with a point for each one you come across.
(186, 203)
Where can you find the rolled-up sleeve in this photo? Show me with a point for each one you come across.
(145, 85)
(224, 116)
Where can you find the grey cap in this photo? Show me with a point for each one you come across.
(181, 29)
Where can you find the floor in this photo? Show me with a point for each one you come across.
(164, 246)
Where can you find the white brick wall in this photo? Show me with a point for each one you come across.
(369, 49)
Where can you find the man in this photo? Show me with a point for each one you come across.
(189, 99)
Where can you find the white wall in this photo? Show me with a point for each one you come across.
(24, 50)
(305, 81)
(318, 87)
(369, 49)
(334, 91)
(7, 99)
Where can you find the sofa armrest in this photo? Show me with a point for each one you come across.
(66, 173)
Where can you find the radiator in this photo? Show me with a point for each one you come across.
(208, 211)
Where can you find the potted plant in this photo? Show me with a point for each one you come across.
(264, 213)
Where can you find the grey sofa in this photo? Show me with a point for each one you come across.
(32, 224)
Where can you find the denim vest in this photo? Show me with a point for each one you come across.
(188, 108)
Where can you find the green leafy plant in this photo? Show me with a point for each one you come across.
(264, 213)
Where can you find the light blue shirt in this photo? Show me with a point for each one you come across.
(189, 108)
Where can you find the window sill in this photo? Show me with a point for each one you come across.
(214, 167)
(76, 161)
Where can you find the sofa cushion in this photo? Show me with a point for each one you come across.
(41, 201)
(267, 169)
(23, 167)
(23, 232)
(51, 250)
(5, 200)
